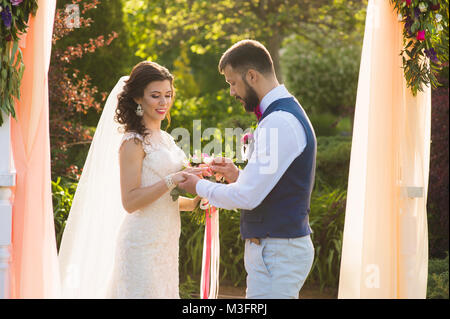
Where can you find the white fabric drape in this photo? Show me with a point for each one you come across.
(385, 242)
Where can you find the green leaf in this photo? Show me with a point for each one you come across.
(415, 26)
(14, 49)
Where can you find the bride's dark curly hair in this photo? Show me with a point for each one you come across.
(142, 74)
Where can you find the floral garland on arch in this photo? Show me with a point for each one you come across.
(14, 15)
(425, 35)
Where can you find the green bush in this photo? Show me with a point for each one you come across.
(323, 74)
(62, 195)
(327, 222)
(437, 287)
(324, 124)
(188, 288)
(333, 161)
(231, 248)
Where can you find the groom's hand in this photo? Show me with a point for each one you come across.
(189, 183)
(226, 167)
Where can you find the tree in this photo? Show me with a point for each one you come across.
(323, 75)
(71, 94)
(159, 28)
(110, 62)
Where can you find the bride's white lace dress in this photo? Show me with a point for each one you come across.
(146, 258)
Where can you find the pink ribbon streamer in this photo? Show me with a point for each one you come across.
(207, 262)
(211, 236)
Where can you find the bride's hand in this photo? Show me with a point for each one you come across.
(195, 201)
(178, 178)
(195, 170)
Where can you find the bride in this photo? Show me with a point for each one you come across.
(122, 234)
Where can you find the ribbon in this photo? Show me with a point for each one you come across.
(209, 283)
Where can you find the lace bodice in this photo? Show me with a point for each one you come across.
(162, 157)
(146, 263)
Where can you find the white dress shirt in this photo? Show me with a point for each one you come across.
(279, 139)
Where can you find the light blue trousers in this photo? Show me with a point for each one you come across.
(277, 268)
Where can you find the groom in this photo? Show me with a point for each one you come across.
(274, 189)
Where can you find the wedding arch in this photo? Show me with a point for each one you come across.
(385, 241)
(384, 253)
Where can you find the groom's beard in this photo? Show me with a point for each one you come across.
(251, 100)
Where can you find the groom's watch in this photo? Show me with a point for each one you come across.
(169, 182)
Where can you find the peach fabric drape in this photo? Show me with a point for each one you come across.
(385, 243)
(34, 266)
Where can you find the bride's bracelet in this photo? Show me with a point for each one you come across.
(169, 182)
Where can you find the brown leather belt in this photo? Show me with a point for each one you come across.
(255, 240)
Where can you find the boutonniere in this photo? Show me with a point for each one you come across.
(247, 141)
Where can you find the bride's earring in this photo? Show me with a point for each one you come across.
(139, 110)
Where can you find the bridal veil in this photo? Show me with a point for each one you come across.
(86, 254)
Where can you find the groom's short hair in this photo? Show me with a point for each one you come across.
(247, 54)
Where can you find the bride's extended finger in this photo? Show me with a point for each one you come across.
(196, 170)
(218, 168)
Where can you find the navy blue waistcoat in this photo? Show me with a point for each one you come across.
(284, 212)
